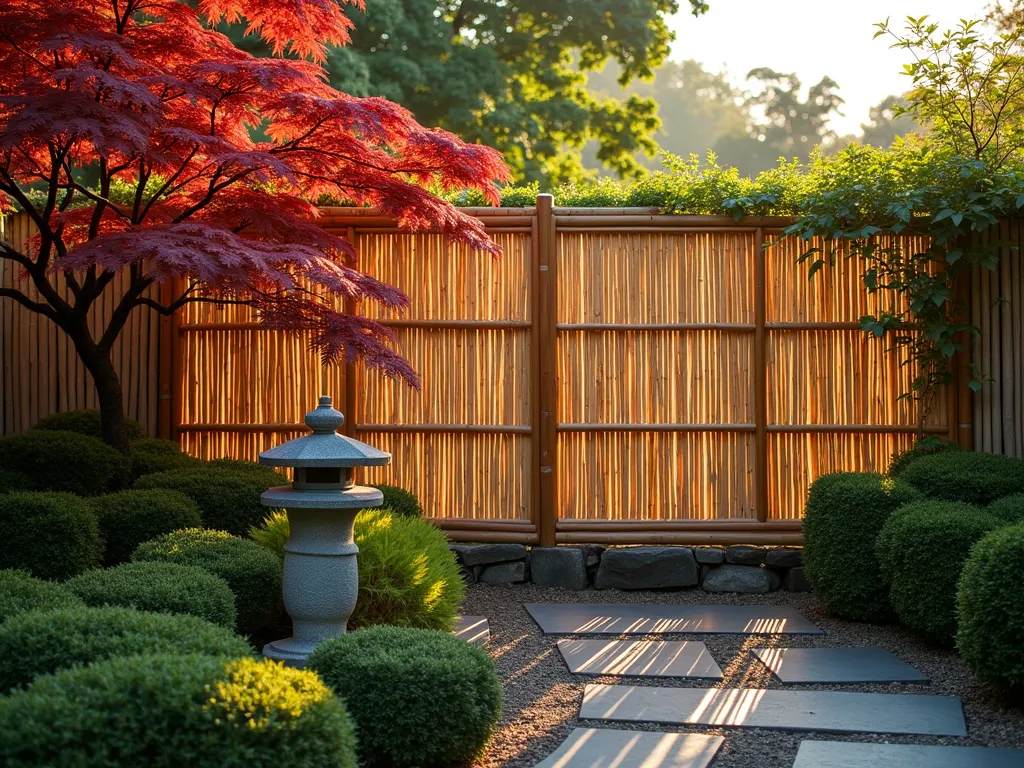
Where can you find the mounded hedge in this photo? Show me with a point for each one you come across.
(845, 512)
(21, 592)
(86, 422)
(64, 461)
(150, 455)
(975, 478)
(922, 549)
(159, 588)
(990, 630)
(1009, 509)
(10, 480)
(129, 518)
(418, 697)
(267, 475)
(40, 642)
(400, 501)
(172, 711)
(228, 499)
(50, 535)
(929, 446)
(252, 572)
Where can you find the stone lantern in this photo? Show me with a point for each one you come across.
(321, 577)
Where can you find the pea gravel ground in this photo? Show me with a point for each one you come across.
(542, 697)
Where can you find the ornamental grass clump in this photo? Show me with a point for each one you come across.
(40, 642)
(129, 518)
(975, 478)
(990, 619)
(845, 512)
(418, 697)
(50, 535)
(64, 461)
(922, 549)
(21, 592)
(159, 588)
(174, 711)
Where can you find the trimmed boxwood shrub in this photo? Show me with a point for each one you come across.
(400, 501)
(922, 549)
(86, 422)
(976, 478)
(11, 480)
(268, 475)
(64, 461)
(252, 572)
(160, 588)
(40, 642)
(928, 446)
(128, 518)
(228, 500)
(990, 629)
(151, 454)
(50, 535)
(174, 711)
(845, 512)
(1009, 509)
(21, 592)
(418, 697)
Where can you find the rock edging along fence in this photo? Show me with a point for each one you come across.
(618, 376)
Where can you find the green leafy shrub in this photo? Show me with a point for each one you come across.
(922, 549)
(173, 711)
(159, 588)
(990, 630)
(845, 511)
(929, 446)
(252, 572)
(400, 501)
(40, 642)
(21, 592)
(228, 500)
(10, 480)
(267, 475)
(129, 518)
(63, 461)
(419, 697)
(1009, 509)
(50, 535)
(975, 478)
(273, 533)
(85, 422)
(150, 455)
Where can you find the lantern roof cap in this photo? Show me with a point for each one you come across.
(325, 447)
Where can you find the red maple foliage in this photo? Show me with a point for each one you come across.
(222, 154)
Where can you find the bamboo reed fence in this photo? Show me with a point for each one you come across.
(618, 376)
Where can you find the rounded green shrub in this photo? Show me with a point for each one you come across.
(63, 461)
(400, 501)
(50, 535)
(928, 446)
(268, 475)
(150, 455)
(40, 642)
(228, 500)
(170, 711)
(85, 422)
(845, 511)
(922, 549)
(990, 627)
(129, 518)
(21, 592)
(252, 572)
(1009, 509)
(160, 588)
(975, 478)
(10, 481)
(418, 697)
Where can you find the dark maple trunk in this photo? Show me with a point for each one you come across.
(98, 362)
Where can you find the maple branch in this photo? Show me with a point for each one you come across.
(36, 306)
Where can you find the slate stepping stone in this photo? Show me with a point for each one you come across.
(837, 666)
(633, 619)
(847, 754)
(834, 711)
(640, 658)
(473, 629)
(604, 748)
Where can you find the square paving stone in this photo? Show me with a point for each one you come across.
(835, 711)
(473, 629)
(640, 658)
(604, 748)
(846, 754)
(837, 665)
(634, 619)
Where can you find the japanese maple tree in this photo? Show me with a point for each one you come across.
(208, 162)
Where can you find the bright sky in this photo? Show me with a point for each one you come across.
(813, 38)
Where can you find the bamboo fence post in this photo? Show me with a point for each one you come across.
(760, 380)
(166, 367)
(349, 396)
(545, 383)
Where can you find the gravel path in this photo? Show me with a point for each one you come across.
(542, 698)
